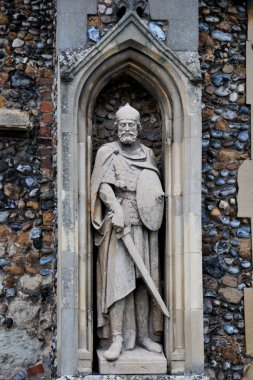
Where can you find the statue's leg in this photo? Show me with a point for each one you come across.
(142, 316)
(116, 313)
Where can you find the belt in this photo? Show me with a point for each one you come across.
(126, 194)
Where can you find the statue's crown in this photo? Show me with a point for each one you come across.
(127, 112)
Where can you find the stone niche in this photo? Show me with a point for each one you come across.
(119, 91)
(129, 53)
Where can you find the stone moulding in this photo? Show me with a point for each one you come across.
(126, 25)
(129, 48)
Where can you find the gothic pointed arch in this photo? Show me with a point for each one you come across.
(129, 48)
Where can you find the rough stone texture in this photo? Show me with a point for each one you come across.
(31, 285)
(226, 142)
(18, 349)
(231, 295)
(23, 312)
(14, 119)
(26, 176)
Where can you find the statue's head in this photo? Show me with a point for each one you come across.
(128, 122)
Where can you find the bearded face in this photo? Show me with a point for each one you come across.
(127, 131)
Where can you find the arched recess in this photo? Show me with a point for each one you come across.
(174, 88)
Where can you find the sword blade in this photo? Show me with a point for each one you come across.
(130, 246)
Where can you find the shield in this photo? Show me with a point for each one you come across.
(150, 207)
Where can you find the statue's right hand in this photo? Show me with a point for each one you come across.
(117, 217)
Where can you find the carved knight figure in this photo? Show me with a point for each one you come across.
(127, 208)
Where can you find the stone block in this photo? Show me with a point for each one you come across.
(250, 20)
(183, 22)
(74, 13)
(14, 120)
(245, 194)
(136, 361)
(182, 35)
(248, 296)
(166, 10)
(249, 74)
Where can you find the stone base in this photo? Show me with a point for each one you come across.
(137, 361)
(134, 377)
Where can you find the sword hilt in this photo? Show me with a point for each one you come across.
(123, 232)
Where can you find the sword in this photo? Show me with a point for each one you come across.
(125, 236)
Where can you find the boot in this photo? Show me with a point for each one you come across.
(150, 345)
(115, 349)
(116, 319)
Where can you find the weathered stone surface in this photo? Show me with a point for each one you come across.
(31, 285)
(17, 43)
(210, 282)
(245, 248)
(222, 125)
(216, 213)
(14, 119)
(23, 313)
(14, 269)
(229, 281)
(3, 216)
(149, 202)
(231, 295)
(133, 361)
(48, 218)
(18, 349)
(228, 155)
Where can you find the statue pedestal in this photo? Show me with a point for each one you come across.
(137, 361)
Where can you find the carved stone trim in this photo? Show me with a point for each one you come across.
(116, 40)
(124, 6)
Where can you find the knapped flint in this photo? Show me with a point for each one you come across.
(149, 206)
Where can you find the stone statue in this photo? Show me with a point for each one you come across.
(127, 203)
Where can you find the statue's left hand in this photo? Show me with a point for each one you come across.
(160, 195)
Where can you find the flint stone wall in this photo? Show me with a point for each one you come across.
(27, 194)
(27, 190)
(227, 260)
